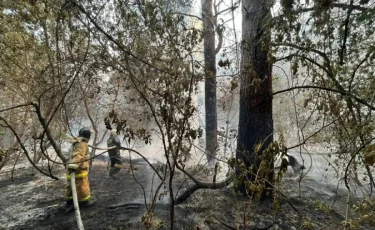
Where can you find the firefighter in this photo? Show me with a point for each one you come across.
(79, 163)
(114, 154)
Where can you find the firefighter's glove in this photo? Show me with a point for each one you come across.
(72, 167)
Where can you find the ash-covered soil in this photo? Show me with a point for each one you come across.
(35, 202)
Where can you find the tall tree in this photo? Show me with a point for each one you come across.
(255, 122)
(210, 79)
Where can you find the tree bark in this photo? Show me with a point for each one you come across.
(210, 80)
(255, 122)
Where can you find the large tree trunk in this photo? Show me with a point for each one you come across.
(255, 124)
(210, 79)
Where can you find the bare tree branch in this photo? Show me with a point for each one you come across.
(187, 15)
(344, 93)
(232, 8)
(15, 107)
(359, 65)
(313, 134)
(308, 49)
(25, 150)
(47, 131)
(346, 33)
(199, 185)
(305, 58)
(333, 5)
(351, 159)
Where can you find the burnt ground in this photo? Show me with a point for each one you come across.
(35, 202)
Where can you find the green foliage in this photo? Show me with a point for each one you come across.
(331, 46)
(322, 206)
(365, 211)
(308, 224)
(258, 187)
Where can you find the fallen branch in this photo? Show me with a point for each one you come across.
(224, 224)
(75, 201)
(128, 205)
(234, 228)
(199, 185)
(265, 228)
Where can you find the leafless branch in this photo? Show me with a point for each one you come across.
(305, 58)
(346, 32)
(232, 8)
(187, 15)
(312, 135)
(136, 181)
(344, 93)
(224, 224)
(47, 131)
(372, 49)
(199, 185)
(15, 107)
(333, 5)
(308, 49)
(25, 150)
(351, 159)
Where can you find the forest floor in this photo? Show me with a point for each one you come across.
(36, 202)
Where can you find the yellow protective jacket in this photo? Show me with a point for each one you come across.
(80, 163)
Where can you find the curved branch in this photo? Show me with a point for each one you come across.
(224, 224)
(136, 181)
(344, 93)
(315, 133)
(188, 192)
(47, 131)
(219, 32)
(351, 159)
(372, 49)
(306, 58)
(307, 49)
(25, 150)
(199, 185)
(15, 107)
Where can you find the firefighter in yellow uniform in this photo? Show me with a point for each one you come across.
(79, 163)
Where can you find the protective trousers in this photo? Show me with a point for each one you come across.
(116, 165)
(82, 185)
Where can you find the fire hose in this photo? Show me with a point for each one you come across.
(75, 201)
